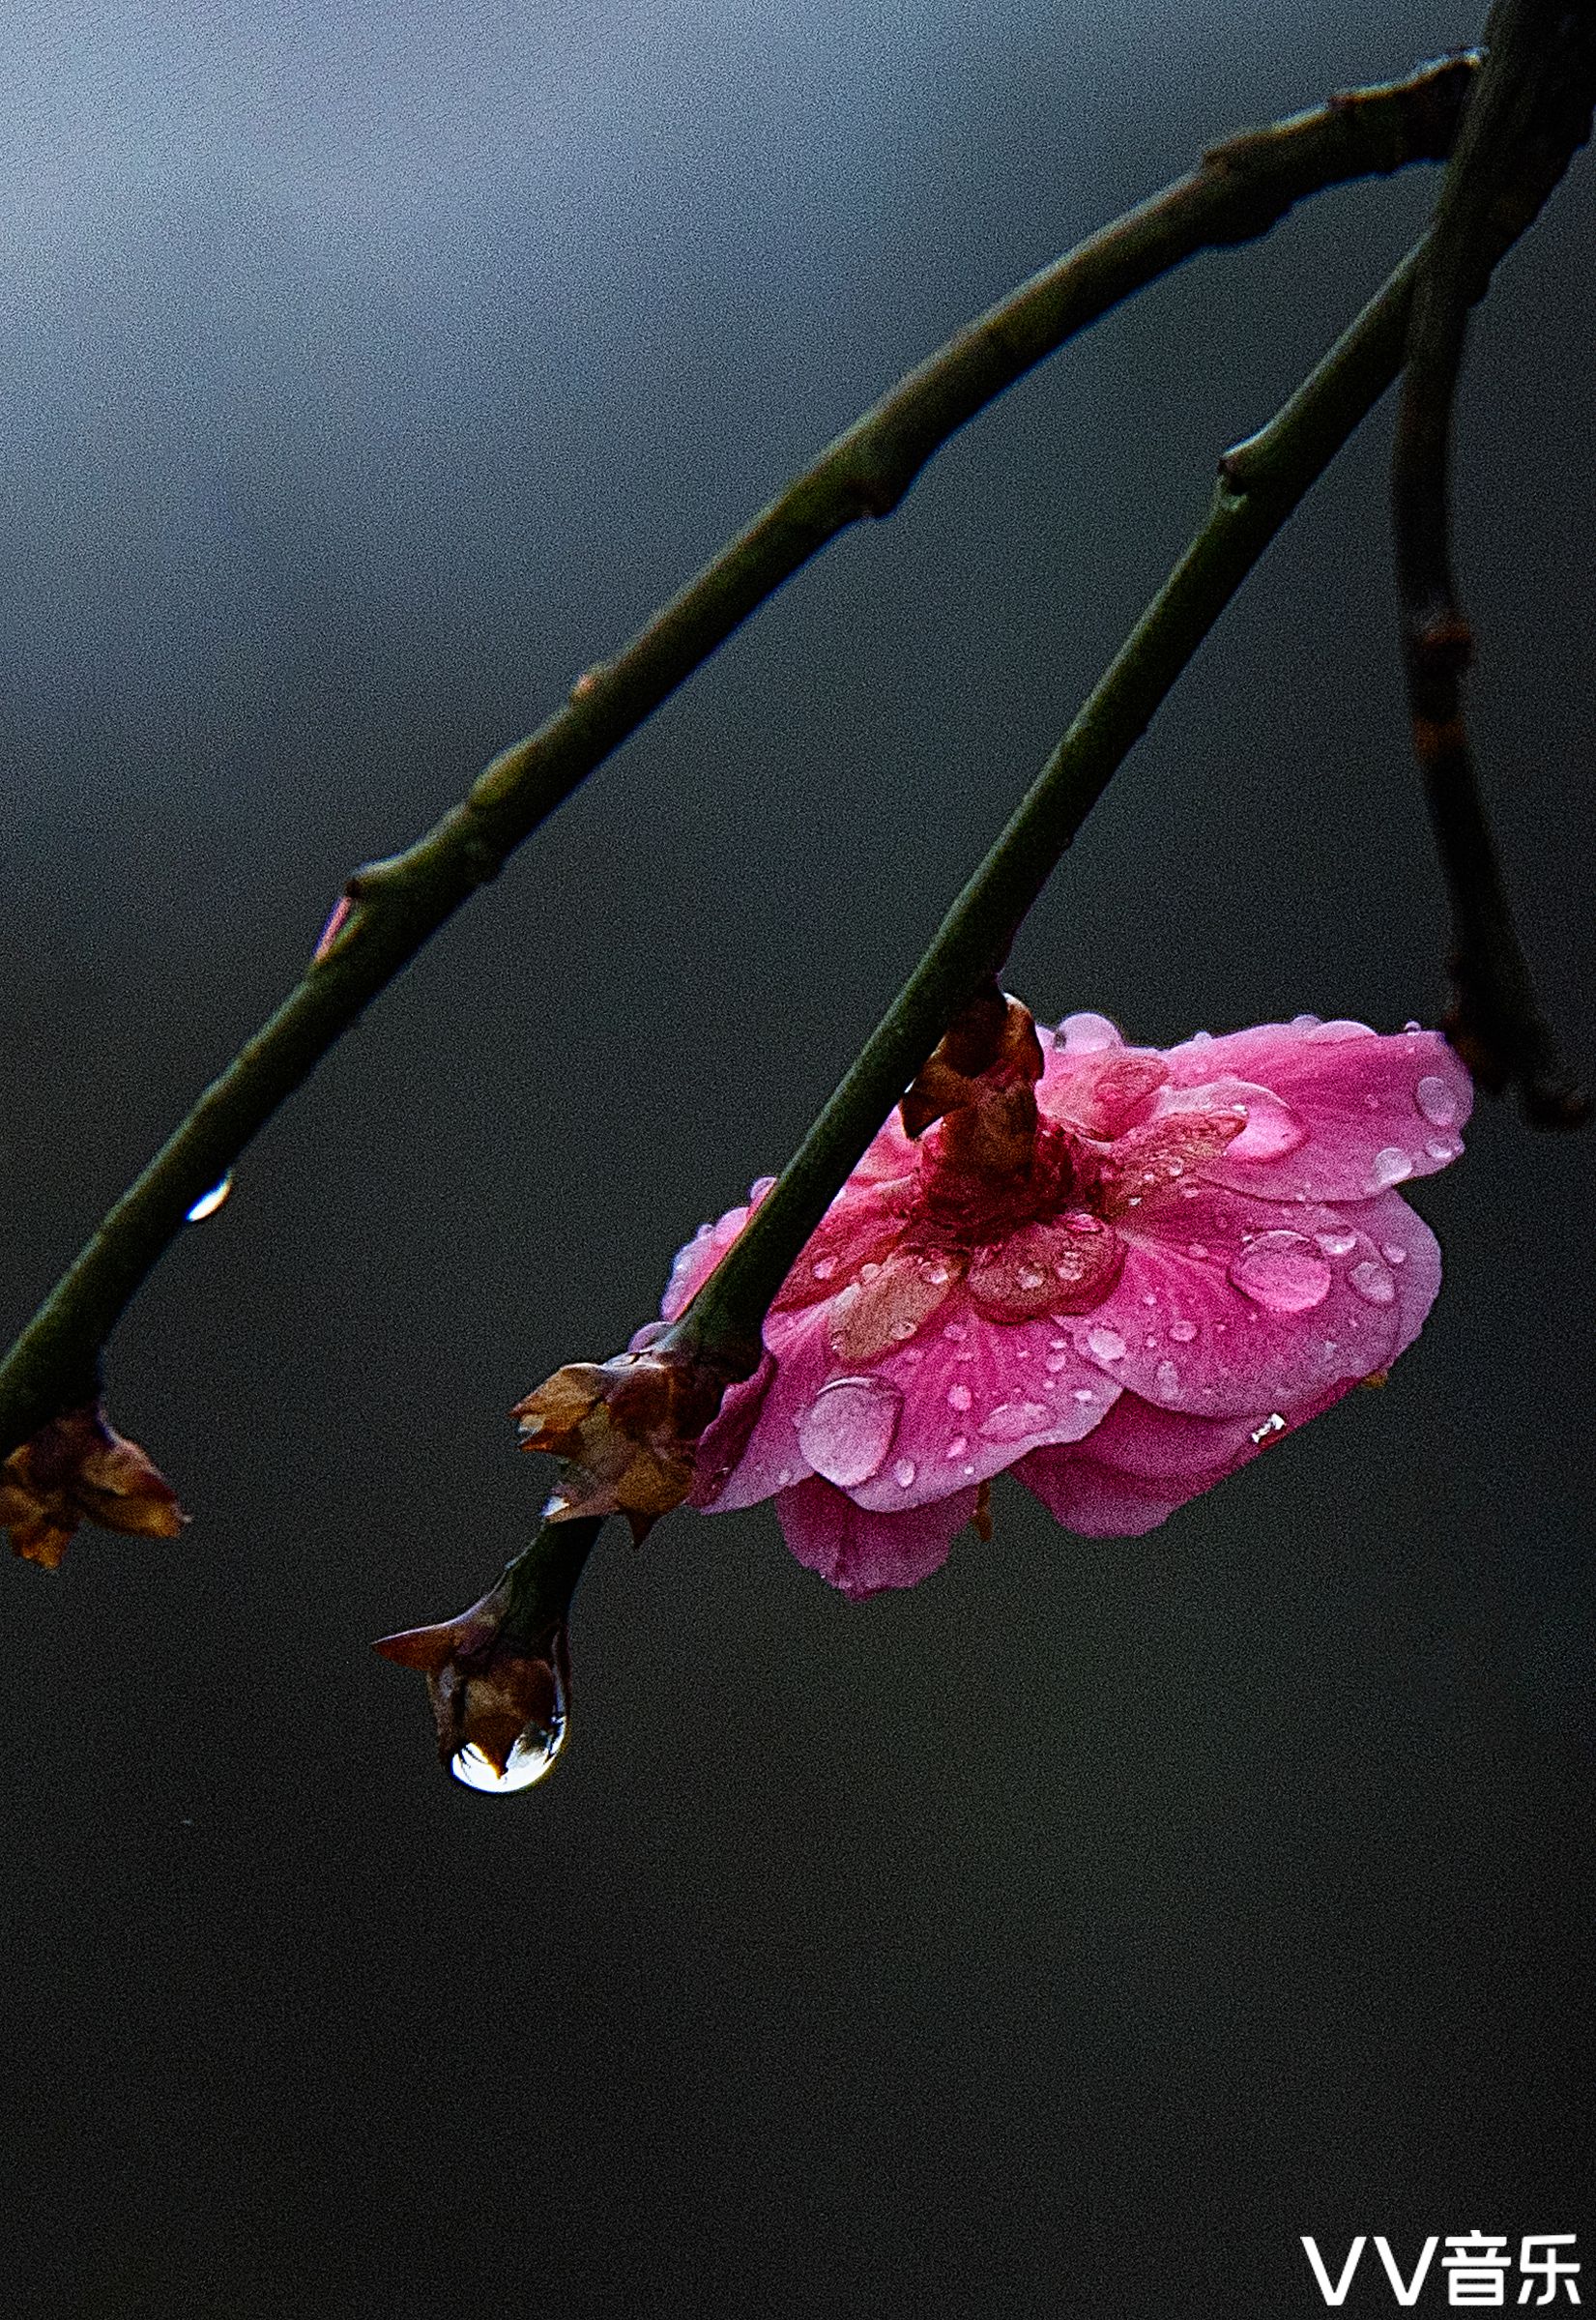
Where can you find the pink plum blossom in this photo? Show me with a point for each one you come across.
(1119, 1270)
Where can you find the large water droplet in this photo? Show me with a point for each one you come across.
(1106, 1344)
(1283, 1272)
(531, 1757)
(210, 1202)
(1443, 1149)
(1393, 1252)
(1392, 1166)
(1085, 1033)
(1337, 1244)
(1373, 1280)
(824, 1268)
(1011, 1421)
(1437, 1100)
(848, 1428)
(904, 1472)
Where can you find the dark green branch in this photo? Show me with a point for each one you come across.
(1238, 190)
(1532, 113)
(1260, 483)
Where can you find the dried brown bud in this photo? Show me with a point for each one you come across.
(78, 1469)
(627, 1429)
(499, 1702)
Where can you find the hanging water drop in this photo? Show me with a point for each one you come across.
(210, 1202)
(529, 1761)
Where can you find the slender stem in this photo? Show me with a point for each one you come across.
(1531, 112)
(1238, 190)
(543, 1578)
(1260, 483)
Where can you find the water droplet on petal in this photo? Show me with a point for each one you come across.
(1393, 1252)
(1306, 1023)
(1283, 1272)
(1437, 1100)
(1059, 1361)
(1083, 1393)
(1337, 1244)
(1182, 1332)
(210, 1202)
(1371, 1280)
(953, 1331)
(1011, 1421)
(1196, 1249)
(1106, 1344)
(824, 1268)
(936, 1272)
(848, 1428)
(1168, 1378)
(957, 1447)
(1330, 1035)
(868, 1273)
(904, 1472)
(1084, 1034)
(958, 1396)
(1029, 1276)
(1443, 1147)
(1390, 1167)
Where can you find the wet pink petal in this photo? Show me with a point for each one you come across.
(1098, 1503)
(1374, 1109)
(1143, 1463)
(862, 1553)
(1226, 1304)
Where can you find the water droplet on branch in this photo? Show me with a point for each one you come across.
(210, 1202)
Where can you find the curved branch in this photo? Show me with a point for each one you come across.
(1238, 192)
(1260, 482)
(1530, 115)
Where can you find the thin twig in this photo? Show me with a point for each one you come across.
(1240, 191)
(1530, 115)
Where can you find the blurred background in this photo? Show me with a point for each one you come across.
(1070, 1935)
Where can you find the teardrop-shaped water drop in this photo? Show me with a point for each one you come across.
(1373, 1280)
(210, 1202)
(1437, 1099)
(1283, 1272)
(1391, 1166)
(528, 1761)
(848, 1428)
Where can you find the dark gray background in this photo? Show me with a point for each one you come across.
(1070, 1935)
